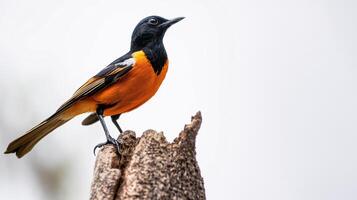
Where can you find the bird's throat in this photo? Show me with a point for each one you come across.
(157, 56)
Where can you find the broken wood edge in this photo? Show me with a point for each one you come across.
(109, 170)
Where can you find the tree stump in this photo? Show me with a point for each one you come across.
(149, 167)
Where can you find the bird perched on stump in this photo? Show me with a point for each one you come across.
(122, 86)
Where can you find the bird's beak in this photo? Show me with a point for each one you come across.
(167, 24)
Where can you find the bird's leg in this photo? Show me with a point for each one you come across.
(115, 122)
(110, 139)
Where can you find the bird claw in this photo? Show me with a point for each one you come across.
(109, 141)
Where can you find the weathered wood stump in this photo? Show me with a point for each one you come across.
(149, 167)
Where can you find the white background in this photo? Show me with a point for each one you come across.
(275, 81)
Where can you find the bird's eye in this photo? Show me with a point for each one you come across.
(153, 21)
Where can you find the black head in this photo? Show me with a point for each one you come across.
(150, 30)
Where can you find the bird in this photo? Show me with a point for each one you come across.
(122, 86)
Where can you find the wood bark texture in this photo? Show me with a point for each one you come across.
(149, 167)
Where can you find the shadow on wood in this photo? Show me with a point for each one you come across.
(149, 167)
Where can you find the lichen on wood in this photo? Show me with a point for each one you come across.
(150, 167)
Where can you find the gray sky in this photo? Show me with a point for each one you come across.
(275, 81)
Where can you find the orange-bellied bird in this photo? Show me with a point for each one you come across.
(122, 86)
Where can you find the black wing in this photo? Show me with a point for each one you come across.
(103, 79)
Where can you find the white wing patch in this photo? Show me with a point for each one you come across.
(127, 62)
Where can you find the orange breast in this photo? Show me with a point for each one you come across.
(134, 89)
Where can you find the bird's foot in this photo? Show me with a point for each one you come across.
(110, 140)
